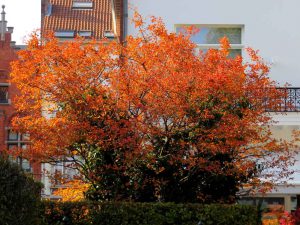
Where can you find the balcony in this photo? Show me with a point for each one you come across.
(290, 102)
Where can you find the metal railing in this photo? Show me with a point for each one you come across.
(290, 102)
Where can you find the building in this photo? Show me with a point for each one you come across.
(8, 138)
(67, 19)
(265, 25)
(95, 19)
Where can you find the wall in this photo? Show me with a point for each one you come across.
(8, 53)
(270, 26)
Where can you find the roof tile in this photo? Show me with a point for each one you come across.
(63, 17)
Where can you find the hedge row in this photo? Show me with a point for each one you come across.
(116, 213)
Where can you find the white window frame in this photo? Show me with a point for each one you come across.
(82, 5)
(217, 46)
(64, 34)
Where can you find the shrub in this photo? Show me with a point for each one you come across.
(65, 213)
(296, 216)
(117, 213)
(19, 196)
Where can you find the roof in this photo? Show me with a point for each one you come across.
(65, 18)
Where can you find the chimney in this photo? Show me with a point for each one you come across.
(10, 30)
(3, 24)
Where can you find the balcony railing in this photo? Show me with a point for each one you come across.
(290, 102)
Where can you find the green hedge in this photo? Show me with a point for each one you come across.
(116, 213)
(19, 196)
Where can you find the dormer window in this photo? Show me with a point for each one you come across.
(109, 34)
(49, 10)
(82, 5)
(65, 34)
(85, 33)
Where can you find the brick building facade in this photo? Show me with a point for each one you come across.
(8, 138)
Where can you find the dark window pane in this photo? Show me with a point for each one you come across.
(234, 53)
(26, 165)
(12, 136)
(3, 94)
(294, 202)
(3, 74)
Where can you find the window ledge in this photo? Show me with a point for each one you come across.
(6, 103)
(17, 141)
(216, 46)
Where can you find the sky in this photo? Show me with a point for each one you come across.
(24, 16)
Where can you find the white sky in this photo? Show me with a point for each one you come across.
(23, 15)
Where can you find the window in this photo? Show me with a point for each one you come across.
(49, 9)
(208, 37)
(3, 74)
(85, 34)
(25, 137)
(17, 137)
(4, 94)
(262, 202)
(109, 34)
(82, 5)
(12, 136)
(65, 34)
(19, 141)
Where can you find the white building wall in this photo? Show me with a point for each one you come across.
(286, 123)
(269, 25)
(65, 169)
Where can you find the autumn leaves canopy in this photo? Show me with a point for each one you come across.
(150, 119)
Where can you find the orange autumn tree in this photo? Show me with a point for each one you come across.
(73, 191)
(150, 120)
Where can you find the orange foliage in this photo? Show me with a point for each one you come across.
(117, 96)
(278, 218)
(72, 191)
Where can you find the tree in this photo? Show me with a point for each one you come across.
(151, 120)
(19, 195)
(72, 191)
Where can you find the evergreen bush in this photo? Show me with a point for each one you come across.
(19, 196)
